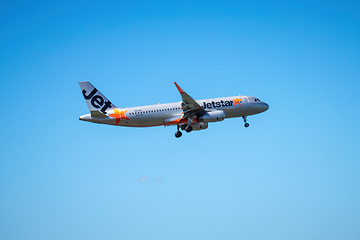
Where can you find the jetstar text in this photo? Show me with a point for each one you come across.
(213, 104)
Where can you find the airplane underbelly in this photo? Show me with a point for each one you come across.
(239, 112)
(148, 121)
(231, 113)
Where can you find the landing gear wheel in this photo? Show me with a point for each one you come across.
(188, 129)
(178, 134)
(246, 124)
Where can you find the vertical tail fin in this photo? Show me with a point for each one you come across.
(95, 100)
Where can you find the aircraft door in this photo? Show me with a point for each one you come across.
(245, 102)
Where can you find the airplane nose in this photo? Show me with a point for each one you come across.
(264, 107)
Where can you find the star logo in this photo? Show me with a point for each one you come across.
(237, 101)
(119, 115)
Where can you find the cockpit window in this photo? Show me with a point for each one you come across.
(257, 100)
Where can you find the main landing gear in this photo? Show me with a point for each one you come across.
(187, 129)
(178, 133)
(246, 124)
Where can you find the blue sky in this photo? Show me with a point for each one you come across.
(293, 174)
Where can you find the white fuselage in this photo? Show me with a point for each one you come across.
(159, 114)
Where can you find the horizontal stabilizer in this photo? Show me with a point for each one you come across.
(97, 114)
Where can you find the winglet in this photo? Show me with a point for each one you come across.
(179, 88)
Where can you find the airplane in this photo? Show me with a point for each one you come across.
(188, 114)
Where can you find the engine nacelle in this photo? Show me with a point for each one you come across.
(197, 126)
(213, 116)
(200, 125)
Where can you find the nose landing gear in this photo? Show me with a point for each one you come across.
(246, 124)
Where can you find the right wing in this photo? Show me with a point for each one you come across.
(189, 106)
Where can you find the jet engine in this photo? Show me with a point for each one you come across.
(213, 116)
(196, 126)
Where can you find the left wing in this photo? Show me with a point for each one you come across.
(189, 106)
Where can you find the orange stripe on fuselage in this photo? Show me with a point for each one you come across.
(178, 121)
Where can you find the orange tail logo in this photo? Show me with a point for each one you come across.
(119, 115)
